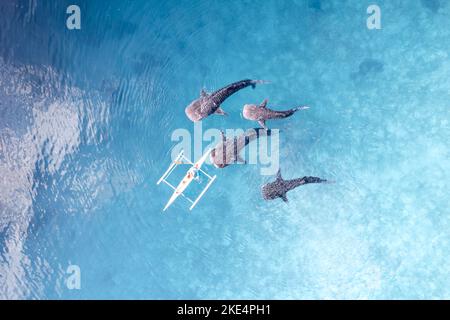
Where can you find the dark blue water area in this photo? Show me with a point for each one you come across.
(87, 116)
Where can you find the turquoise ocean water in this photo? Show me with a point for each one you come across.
(86, 118)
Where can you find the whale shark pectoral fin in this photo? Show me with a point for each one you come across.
(239, 159)
(220, 111)
(264, 103)
(284, 197)
(279, 177)
(262, 123)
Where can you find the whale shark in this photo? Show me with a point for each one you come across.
(280, 187)
(261, 113)
(209, 103)
(227, 151)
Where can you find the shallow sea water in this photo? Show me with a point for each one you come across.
(86, 118)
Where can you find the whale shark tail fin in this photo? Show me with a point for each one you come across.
(255, 82)
(314, 180)
(300, 108)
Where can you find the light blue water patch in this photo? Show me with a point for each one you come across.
(86, 118)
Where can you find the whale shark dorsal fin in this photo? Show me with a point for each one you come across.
(264, 103)
(279, 177)
(203, 93)
(284, 197)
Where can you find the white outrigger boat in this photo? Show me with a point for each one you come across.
(191, 175)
